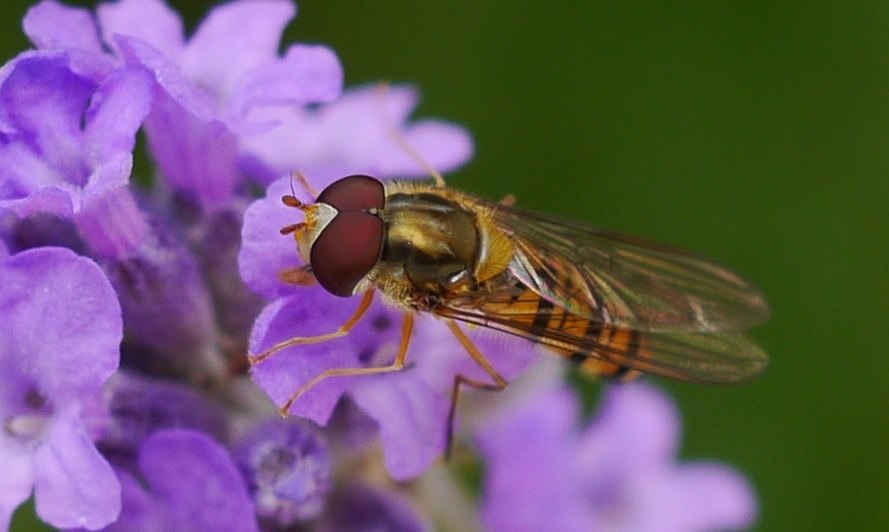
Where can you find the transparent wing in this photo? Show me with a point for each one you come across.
(707, 357)
(625, 281)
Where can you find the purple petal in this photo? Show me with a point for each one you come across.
(603, 478)
(264, 251)
(139, 510)
(45, 102)
(444, 147)
(694, 497)
(216, 241)
(265, 319)
(57, 200)
(57, 374)
(302, 315)
(17, 480)
(306, 74)
(140, 406)
(353, 135)
(166, 305)
(40, 230)
(111, 221)
(19, 394)
(197, 481)
(537, 434)
(196, 152)
(289, 470)
(116, 112)
(118, 108)
(234, 39)
(637, 428)
(150, 20)
(533, 428)
(51, 25)
(75, 486)
(25, 173)
(52, 164)
(412, 419)
(439, 356)
(358, 508)
(78, 345)
(410, 406)
(196, 157)
(168, 76)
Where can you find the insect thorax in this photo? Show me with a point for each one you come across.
(431, 246)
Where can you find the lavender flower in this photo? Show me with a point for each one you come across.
(68, 141)
(290, 471)
(139, 406)
(210, 87)
(354, 135)
(59, 334)
(371, 509)
(617, 474)
(169, 279)
(186, 481)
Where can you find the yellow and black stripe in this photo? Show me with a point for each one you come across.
(592, 345)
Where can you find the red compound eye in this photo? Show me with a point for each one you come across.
(346, 250)
(354, 193)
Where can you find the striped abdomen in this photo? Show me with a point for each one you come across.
(591, 345)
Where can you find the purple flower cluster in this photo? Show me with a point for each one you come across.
(618, 473)
(129, 299)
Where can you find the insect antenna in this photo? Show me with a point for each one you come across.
(292, 228)
(304, 182)
(293, 201)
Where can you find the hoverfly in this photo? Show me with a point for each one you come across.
(615, 305)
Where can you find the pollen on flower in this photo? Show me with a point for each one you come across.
(27, 426)
(32, 422)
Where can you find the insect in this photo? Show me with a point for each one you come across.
(615, 305)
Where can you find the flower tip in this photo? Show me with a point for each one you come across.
(288, 470)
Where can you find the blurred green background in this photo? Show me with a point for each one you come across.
(755, 133)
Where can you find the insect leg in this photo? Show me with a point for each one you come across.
(498, 384)
(406, 333)
(342, 331)
(299, 276)
(383, 90)
(508, 200)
